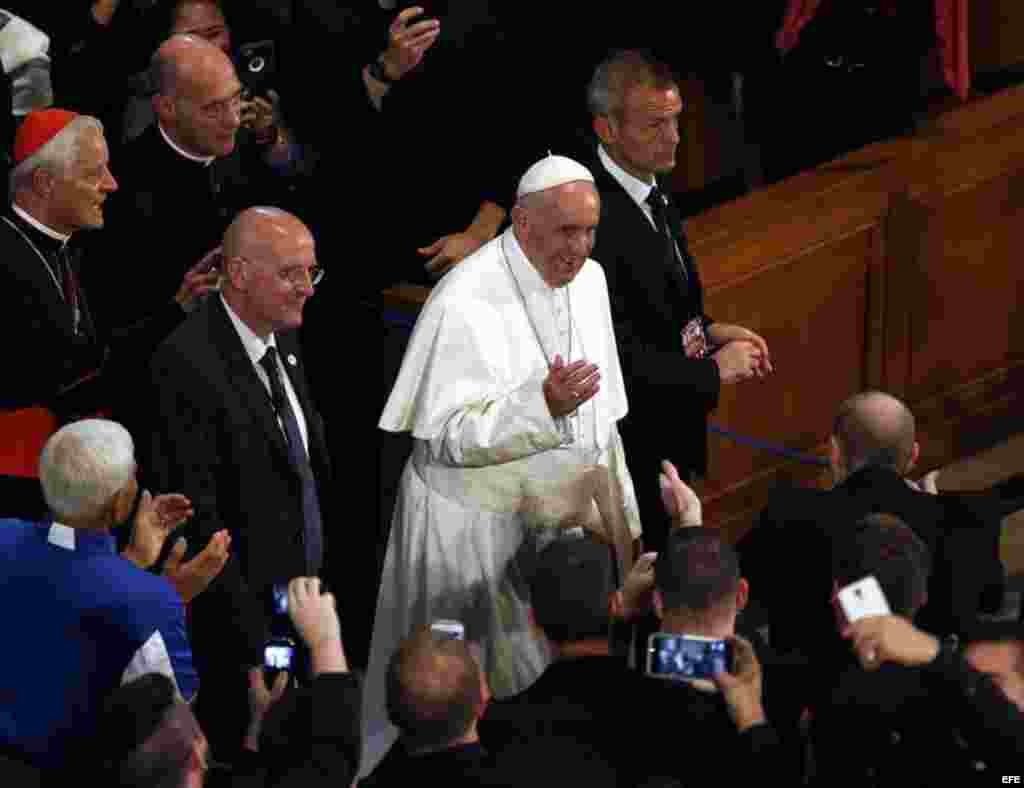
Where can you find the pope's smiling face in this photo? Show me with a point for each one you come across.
(556, 229)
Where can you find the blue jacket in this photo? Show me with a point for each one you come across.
(77, 621)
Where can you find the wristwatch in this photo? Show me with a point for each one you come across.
(379, 73)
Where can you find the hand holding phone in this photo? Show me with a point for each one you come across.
(880, 639)
(741, 685)
(278, 657)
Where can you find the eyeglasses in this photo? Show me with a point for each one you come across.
(297, 277)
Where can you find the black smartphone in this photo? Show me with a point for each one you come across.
(677, 657)
(256, 64)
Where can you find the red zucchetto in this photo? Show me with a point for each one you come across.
(39, 128)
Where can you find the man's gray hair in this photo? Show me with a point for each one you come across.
(56, 156)
(84, 465)
(619, 72)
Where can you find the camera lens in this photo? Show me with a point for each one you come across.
(257, 64)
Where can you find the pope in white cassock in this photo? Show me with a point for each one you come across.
(510, 386)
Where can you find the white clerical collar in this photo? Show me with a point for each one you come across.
(255, 347)
(31, 220)
(527, 276)
(204, 160)
(635, 188)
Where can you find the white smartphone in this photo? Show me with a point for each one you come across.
(447, 629)
(860, 600)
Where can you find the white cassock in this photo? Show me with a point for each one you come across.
(486, 450)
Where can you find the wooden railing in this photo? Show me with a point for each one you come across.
(898, 267)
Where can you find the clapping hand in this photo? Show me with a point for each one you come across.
(568, 387)
(154, 520)
(191, 578)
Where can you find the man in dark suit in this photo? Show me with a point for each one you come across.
(788, 554)
(675, 358)
(234, 426)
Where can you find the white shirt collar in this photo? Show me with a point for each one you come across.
(255, 347)
(527, 276)
(61, 536)
(635, 188)
(48, 232)
(205, 160)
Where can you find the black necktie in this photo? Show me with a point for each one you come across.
(659, 210)
(312, 526)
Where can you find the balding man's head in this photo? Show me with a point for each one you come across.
(198, 100)
(270, 266)
(435, 691)
(874, 428)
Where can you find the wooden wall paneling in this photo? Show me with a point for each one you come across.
(964, 322)
(995, 34)
(979, 115)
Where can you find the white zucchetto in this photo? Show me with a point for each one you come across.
(552, 171)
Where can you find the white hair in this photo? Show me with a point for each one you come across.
(58, 155)
(84, 465)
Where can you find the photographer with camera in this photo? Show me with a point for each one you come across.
(305, 736)
(697, 666)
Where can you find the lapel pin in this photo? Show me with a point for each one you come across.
(292, 360)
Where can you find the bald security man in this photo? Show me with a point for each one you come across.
(788, 556)
(236, 431)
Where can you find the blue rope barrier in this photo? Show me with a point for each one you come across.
(780, 451)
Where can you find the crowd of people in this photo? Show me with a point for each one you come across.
(191, 421)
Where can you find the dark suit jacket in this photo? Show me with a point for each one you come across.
(571, 719)
(215, 438)
(787, 558)
(465, 765)
(691, 738)
(890, 727)
(669, 394)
